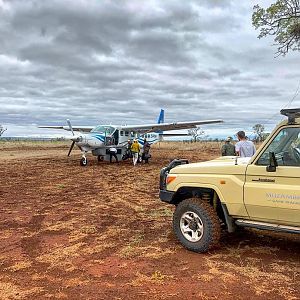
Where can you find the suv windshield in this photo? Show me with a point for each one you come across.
(286, 146)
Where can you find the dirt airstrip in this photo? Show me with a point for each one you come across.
(100, 232)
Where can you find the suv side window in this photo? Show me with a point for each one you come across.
(286, 146)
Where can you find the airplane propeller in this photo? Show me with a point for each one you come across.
(70, 126)
(74, 138)
(71, 148)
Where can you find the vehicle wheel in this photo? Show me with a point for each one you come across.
(196, 225)
(83, 161)
(100, 158)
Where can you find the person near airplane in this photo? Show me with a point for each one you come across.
(228, 149)
(113, 153)
(135, 149)
(146, 151)
(244, 147)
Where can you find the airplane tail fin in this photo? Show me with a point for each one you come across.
(160, 120)
(161, 117)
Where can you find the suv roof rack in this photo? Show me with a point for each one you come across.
(291, 113)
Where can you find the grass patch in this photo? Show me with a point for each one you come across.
(257, 277)
(155, 278)
(132, 248)
(20, 266)
(162, 212)
(61, 255)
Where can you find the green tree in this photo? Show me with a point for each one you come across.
(259, 132)
(196, 134)
(282, 20)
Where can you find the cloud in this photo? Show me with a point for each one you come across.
(120, 62)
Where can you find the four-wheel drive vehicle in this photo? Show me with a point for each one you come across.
(261, 192)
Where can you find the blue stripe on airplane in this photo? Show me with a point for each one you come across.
(99, 137)
(141, 141)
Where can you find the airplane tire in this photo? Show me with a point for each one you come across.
(83, 162)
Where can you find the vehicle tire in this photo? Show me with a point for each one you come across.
(100, 158)
(83, 162)
(196, 225)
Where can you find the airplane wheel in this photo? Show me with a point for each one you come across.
(83, 161)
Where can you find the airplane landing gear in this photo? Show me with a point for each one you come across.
(83, 161)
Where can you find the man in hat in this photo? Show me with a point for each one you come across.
(228, 148)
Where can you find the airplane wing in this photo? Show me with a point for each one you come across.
(75, 128)
(175, 134)
(167, 126)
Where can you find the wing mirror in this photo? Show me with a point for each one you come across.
(272, 163)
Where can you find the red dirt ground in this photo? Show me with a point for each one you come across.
(100, 232)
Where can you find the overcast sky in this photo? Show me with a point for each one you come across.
(119, 62)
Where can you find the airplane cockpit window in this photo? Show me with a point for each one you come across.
(286, 146)
(108, 130)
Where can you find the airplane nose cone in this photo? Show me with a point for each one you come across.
(76, 138)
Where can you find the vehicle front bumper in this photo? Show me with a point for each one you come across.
(166, 196)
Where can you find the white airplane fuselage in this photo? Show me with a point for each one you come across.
(101, 138)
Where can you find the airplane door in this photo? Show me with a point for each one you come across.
(275, 195)
(116, 137)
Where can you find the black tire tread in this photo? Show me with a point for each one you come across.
(210, 217)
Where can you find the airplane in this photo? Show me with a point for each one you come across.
(100, 138)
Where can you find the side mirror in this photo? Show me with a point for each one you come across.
(272, 163)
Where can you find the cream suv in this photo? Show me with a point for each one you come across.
(261, 192)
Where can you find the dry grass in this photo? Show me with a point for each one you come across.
(188, 146)
(257, 276)
(20, 265)
(61, 256)
(157, 277)
(5, 145)
(11, 291)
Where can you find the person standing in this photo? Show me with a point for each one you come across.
(228, 148)
(135, 149)
(113, 153)
(146, 151)
(244, 147)
(128, 149)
